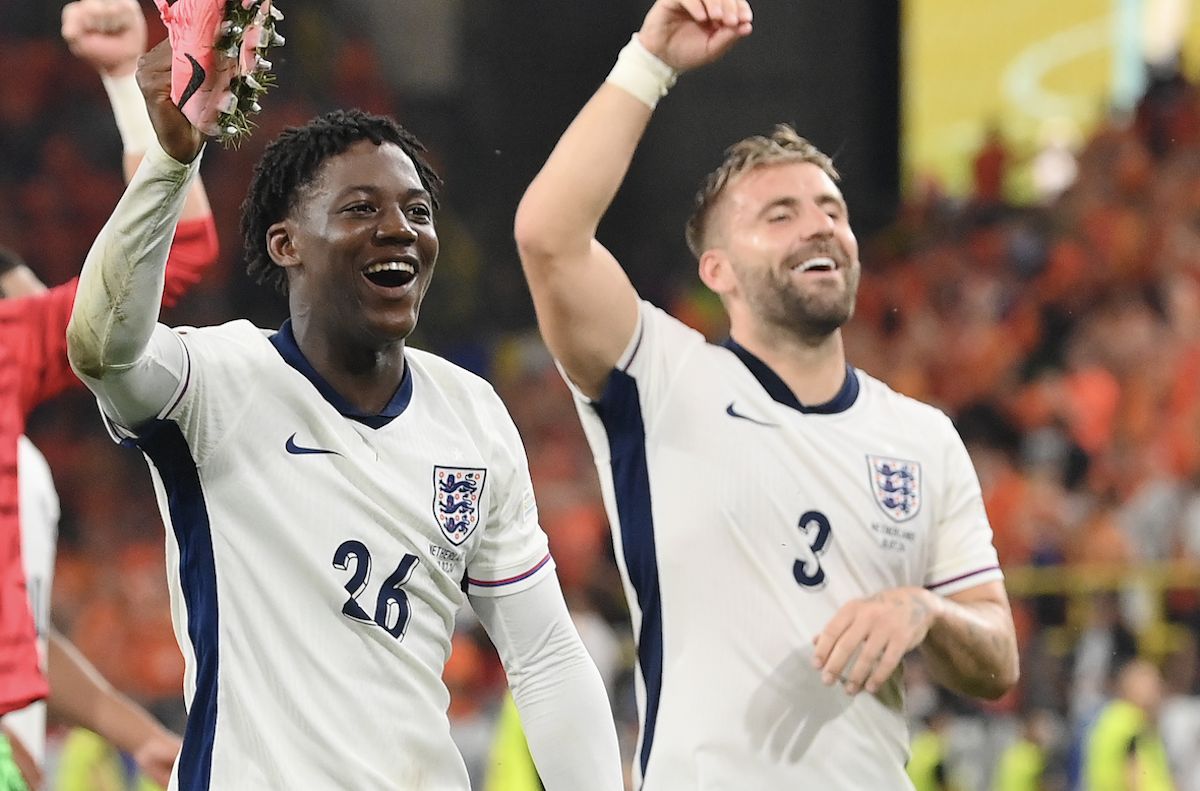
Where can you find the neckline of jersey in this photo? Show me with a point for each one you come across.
(845, 398)
(284, 342)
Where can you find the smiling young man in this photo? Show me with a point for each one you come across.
(331, 496)
(785, 521)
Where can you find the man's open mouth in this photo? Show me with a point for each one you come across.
(819, 263)
(391, 274)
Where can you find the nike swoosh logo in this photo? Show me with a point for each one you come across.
(729, 410)
(299, 450)
(194, 83)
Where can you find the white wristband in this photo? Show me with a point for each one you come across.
(129, 111)
(642, 74)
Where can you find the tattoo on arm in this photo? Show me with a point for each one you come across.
(973, 650)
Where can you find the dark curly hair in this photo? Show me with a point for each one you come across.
(291, 161)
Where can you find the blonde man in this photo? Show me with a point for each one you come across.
(786, 522)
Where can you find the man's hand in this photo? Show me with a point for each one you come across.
(108, 34)
(864, 642)
(156, 756)
(685, 34)
(175, 132)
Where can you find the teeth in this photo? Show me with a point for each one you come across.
(821, 262)
(391, 266)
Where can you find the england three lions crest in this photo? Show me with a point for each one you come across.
(896, 484)
(456, 495)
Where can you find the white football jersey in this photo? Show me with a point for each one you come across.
(39, 538)
(317, 557)
(742, 521)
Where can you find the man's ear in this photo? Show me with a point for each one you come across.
(281, 245)
(716, 271)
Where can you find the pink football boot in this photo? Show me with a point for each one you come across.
(218, 71)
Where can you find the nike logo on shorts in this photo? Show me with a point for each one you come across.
(299, 450)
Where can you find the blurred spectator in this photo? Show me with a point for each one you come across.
(1180, 719)
(1105, 644)
(1030, 762)
(1124, 751)
(928, 764)
(510, 766)
(990, 168)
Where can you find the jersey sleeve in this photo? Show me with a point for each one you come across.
(513, 552)
(652, 360)
(962, 553)
(564, 710)
(214, 384)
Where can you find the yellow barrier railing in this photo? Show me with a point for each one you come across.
(1066, 580)
(1080, 584)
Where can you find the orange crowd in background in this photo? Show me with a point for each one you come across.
(1064, 338)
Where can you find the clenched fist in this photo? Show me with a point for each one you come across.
(108, 34)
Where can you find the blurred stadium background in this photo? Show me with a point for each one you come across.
(1024, 176)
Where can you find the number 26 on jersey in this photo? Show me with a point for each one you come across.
(392, 611)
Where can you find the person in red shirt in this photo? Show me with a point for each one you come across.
(110, 35)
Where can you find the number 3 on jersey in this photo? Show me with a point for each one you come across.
(392, 611)
(814, 529)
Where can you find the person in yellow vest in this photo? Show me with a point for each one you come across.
(1024, 764)
(927, 767)
(90, 763)
(510, 766)
(1124, 751)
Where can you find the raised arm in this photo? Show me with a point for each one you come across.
(110, 35)
(111, 339)
(586, 306)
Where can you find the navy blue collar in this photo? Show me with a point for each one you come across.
(285, 343)
(775, 387)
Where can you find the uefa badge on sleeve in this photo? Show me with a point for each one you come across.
(896, 484)
(456, 495)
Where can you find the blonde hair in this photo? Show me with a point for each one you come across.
(783, 145)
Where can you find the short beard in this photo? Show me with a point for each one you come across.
(806, 317)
